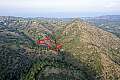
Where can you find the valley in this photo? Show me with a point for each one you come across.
(59, 48)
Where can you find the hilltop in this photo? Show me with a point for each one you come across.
(94, 47)
(88, 52)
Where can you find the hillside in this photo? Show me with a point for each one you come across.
(108, 23)
(94, 47)
(87, 53)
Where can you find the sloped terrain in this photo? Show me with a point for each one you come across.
(110, 23)
(88, 53)
(94, 47)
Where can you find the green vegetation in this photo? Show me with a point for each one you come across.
(87, 53)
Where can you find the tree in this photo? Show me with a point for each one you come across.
(50, 40)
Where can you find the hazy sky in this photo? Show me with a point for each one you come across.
(59, 8)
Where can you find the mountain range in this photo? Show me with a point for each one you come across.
(89, 51)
